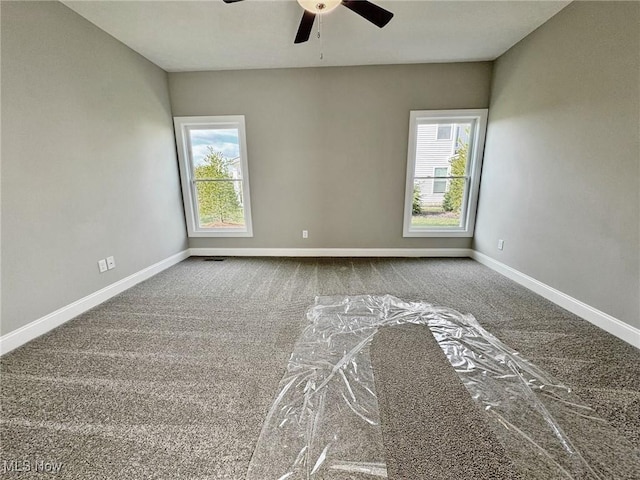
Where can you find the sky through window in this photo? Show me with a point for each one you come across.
(224, 140)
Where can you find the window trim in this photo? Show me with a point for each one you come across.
(182, 125)
(470, 200)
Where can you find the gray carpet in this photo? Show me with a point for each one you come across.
(172, 379)
(432, 429)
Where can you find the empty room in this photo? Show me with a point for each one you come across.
(320, 240)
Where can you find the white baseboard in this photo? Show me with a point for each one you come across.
(330, 252)
(599, 318)
(44, 324)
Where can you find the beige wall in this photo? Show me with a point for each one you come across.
(327, 147)
(561, 178)
(88, 161)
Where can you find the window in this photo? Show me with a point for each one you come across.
(440, 186)
(444, 132)
(443, 173)
(215, 178)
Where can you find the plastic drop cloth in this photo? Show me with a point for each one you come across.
(325, 422)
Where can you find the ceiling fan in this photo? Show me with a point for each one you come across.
(367, 10)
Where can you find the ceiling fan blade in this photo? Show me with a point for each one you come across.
(231, 1)
(375, 14)
(306, 24)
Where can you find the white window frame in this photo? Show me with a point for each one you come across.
(470, 199)
(182, 125)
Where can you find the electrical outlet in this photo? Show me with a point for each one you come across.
(305, 233)
(500, 244)
(102, 265)
(111, 263)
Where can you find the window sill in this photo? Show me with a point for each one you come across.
(226, 233)
(438, 233)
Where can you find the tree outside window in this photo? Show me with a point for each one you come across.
(218, 192)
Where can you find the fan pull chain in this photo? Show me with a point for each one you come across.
(320, 37)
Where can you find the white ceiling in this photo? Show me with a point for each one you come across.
(186, 35)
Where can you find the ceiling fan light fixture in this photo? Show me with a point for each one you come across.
(319, 7)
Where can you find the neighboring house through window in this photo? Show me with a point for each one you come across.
(214, 172)
(440, 186)
(444, 132)
(443, 172)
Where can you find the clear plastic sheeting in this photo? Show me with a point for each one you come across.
(325, 422)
